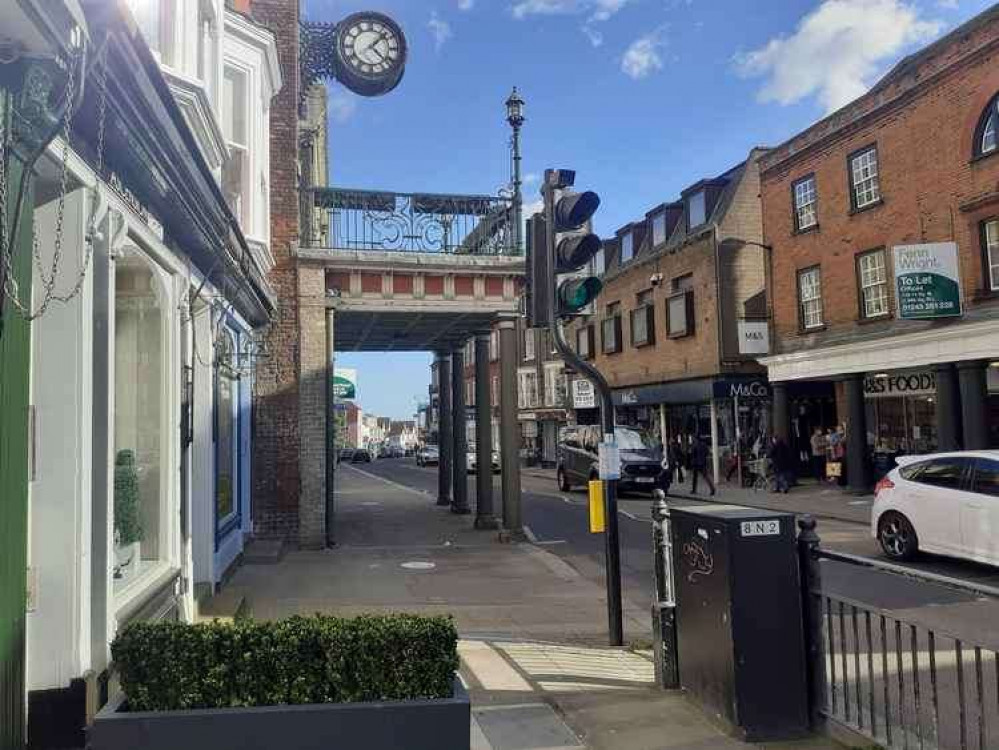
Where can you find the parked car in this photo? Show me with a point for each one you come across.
(428, 455)
(472, 458)
(361, 456)
(945, 503)
(578, 458)
(346, 454)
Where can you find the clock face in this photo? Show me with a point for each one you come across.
(372, 53)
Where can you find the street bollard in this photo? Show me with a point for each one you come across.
(664, 645)
(811, 603)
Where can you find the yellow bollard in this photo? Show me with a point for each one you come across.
(596, 506)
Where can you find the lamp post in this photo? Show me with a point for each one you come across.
(515, 116)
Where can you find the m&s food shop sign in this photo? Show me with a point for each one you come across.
(927, 281)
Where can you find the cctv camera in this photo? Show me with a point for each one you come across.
(656, 279)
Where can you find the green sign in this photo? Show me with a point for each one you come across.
(344, 384)
(927, 281)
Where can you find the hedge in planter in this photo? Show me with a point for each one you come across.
(302, 660)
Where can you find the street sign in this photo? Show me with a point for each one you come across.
(344, 384)
(769, 527)
(609, 463)
(927, 281)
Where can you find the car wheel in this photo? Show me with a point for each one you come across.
(897, 537)
(563, 481)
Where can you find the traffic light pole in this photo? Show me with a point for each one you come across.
(612, 545)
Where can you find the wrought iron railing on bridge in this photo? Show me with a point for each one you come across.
(345, 219)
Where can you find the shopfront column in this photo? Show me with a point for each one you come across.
(974, 404)
(509, 428)
(856, 435)
(946, 409)
(782, 424)
(485, 517)
(459, 443)
(444, 428)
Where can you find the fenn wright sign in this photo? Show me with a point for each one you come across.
(927, 281)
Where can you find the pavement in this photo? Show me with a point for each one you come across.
(532, 626)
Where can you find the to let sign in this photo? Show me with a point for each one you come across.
(583, 394)
(927, 281)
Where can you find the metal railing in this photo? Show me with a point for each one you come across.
(888, 676)
(345, 219)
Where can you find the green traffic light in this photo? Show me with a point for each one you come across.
(576, 294)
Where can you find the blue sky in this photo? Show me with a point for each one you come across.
(641, 97)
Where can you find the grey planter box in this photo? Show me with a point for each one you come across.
(383, 725)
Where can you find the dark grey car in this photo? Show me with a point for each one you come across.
(578, 458)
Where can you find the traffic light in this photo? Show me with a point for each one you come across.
(572, 248)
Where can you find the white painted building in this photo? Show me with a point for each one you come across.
(141, 382)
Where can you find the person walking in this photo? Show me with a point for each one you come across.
(780, 458)
(699, 465)
(818, 445)
(675, 454)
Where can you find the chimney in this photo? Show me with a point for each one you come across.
(242, 6)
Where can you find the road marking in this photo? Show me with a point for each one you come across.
(530, 534)
(389, 482)
(859, 502)
(626, 514)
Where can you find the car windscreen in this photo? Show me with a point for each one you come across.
(631, 440)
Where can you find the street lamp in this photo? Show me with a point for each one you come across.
(515, 117)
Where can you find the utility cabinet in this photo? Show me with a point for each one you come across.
(740, 632)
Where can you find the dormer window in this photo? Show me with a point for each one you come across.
(627, 247)
(695, 210)
(658, 229)
(986, 142)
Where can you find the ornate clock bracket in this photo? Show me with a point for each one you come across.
(317, 56)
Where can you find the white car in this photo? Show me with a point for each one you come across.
(472, 460)
(945, 503)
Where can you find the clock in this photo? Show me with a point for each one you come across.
(370, 53)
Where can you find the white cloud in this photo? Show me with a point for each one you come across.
(440, 29)
(604, 9)
(947, 4)
(644, 56)
(596, 37)
(465, 4)
(596, 10)
(341, 108)
(836, 51)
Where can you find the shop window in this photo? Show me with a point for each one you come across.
(610, 329)
(810, 297)
(990, 240)
(226, 435)
(527, 391)
(680, 307)
(643, 322)
(865, 189)
(528, 344)
(556, 385)
(872, 278)
(806, 213)
(986, 140)
(141, 419)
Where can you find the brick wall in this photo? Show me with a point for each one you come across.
(276, 474)
(923, 122)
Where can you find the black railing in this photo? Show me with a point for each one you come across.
(344, 219)
(890, 677)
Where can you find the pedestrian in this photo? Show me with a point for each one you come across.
(699, 465)
(676, 460)
(665, 478)
(780, 459)
(818, 445)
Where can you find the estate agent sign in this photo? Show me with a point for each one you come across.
(927, 283)
(583, 394)
(344, 384)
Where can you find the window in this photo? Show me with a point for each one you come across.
(987, 141)
(865, 190)
(680, 307)
(947, 473)
(658, 229)
(610, 329)
(643, 327)
(584, 342)
(696, 210)
(234, 106)
(494, 391)
(155, 18)
(805, 203)
(556, 385)
(141, 417)
(236, 170)
(527, 390)
(627, 247)
(529, 344)
(599, 263)
(493, 345)
(987, 477)
(991, 242)
(872, 275)
(226, 435)
(810, 297)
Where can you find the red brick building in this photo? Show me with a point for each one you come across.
(904, 181)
